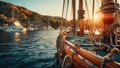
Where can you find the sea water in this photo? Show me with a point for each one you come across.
(31, 49)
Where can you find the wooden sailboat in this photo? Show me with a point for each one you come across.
(76, 50)
(13, 27)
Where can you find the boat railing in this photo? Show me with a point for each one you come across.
(86, 54)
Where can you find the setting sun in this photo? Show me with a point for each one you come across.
(96, 16)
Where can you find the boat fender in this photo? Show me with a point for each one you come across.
(67, 62)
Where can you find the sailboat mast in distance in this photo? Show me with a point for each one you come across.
(81, 17)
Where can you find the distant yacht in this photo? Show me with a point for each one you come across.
(15, 27)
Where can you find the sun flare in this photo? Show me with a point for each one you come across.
(96, 16)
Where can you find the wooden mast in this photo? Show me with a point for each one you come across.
(81, 17)
(74, 15)
(108, 9)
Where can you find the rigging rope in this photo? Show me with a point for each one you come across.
(67, 9)
(67, 12)
(113, 26)
(92, 24)
(62, 15)
(63, 10)
(87, 9)
(86, 5)
(116, 21)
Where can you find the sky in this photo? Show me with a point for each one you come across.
(47, 7)
(44, 7)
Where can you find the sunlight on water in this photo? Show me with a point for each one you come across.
(34, 49)
(17, 36)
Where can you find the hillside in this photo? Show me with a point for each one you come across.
(26, 16)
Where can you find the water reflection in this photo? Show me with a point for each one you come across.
(24, 32)
(12, 36)
(16, 36)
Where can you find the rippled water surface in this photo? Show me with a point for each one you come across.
(33, 49)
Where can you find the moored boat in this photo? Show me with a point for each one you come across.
(76, 50)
